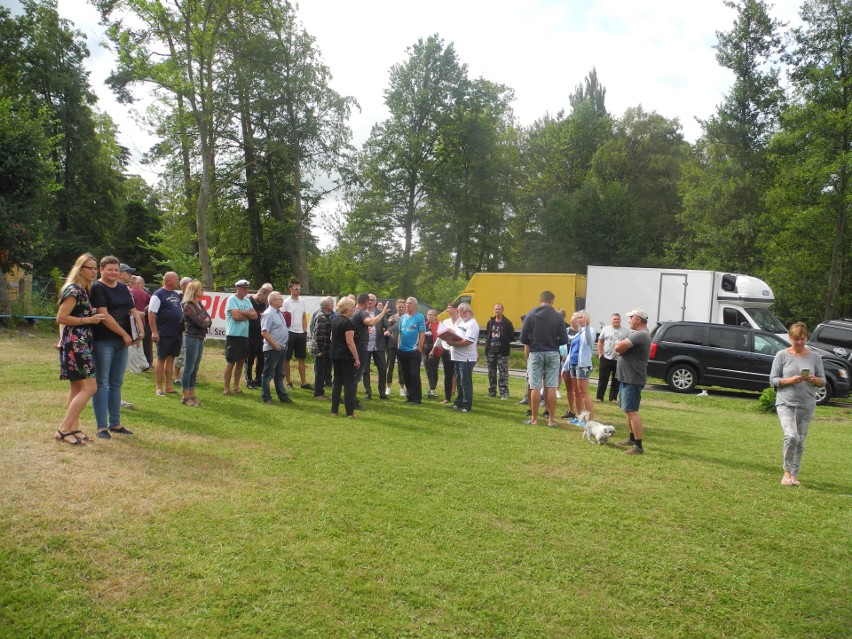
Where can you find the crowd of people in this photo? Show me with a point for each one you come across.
(109, 324)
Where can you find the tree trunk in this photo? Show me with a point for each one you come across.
(259, 274)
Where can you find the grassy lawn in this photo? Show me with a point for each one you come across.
(244, 520)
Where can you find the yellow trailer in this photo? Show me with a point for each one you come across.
(519, 293)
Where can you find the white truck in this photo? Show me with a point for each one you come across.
(678, 295)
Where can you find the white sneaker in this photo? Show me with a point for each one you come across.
(388, 390)
(431, 393)
(402, 392)
(126, 404)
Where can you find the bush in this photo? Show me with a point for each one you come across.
(766, 403)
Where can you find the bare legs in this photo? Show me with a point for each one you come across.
(80, 394)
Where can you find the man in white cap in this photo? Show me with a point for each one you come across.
(238, 312)
(632, 373)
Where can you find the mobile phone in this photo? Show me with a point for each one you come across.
(806, 372)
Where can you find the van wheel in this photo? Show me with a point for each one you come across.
(824, 394)
(681, 378)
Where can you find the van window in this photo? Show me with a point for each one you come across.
(768, 344)
(733, 317)
(835, 337)
(726, 338)
(684, 334)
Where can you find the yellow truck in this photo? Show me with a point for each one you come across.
(519, 293)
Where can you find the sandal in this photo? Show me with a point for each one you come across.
(62, 438)
(161, 393)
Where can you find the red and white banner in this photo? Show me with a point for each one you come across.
(215, 302)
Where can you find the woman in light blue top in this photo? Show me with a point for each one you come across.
(581, 367)
(796, 373)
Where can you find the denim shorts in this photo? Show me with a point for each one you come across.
(629, 396)
(581, 372)
(543, 367)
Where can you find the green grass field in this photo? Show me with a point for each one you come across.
(244, 520)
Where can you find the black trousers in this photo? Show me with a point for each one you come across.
(344, 379)
(378, 358)
(449, 374)
(255, 358)
(431, 364)
(391, 355)
(147, 345)
(409, 363)
(322, 370)
(607, 368)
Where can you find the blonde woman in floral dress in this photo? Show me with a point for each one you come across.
(76, 317)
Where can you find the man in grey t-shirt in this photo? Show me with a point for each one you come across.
(632, 371)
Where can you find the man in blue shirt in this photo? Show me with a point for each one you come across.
(412, 335)
(273, 330)
(238, 312)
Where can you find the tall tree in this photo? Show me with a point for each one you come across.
(401, 153)
(43, 71)
(302, 117)
(724, 185)
(190, 32)
(809, 242)
(472, 184)
(556, 157)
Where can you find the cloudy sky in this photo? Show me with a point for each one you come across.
(657, 53)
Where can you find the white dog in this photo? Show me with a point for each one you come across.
(593, 431)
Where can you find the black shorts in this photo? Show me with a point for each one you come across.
(236, 348)
(297, 343)
(169, 347)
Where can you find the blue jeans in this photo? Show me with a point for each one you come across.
(110, 361)
(193, 349)
(464, 382)
(273, 370)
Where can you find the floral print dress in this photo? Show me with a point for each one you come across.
(75, 347)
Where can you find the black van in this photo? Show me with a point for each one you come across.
(688, 354)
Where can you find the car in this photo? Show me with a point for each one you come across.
(690, 354)
(834, 336)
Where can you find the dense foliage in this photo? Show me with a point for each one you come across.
(252, 140)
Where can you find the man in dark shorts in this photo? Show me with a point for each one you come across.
(294, 309)
(238, 312)
(165, 315)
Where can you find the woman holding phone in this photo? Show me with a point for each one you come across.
(796, 373)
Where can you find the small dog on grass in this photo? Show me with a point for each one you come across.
(595, 432)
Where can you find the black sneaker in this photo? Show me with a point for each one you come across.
(289, 385)
(121, 430)
(569, 415)
(103, 434)
(307, 387)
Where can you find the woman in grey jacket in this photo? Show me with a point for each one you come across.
(796, 373)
